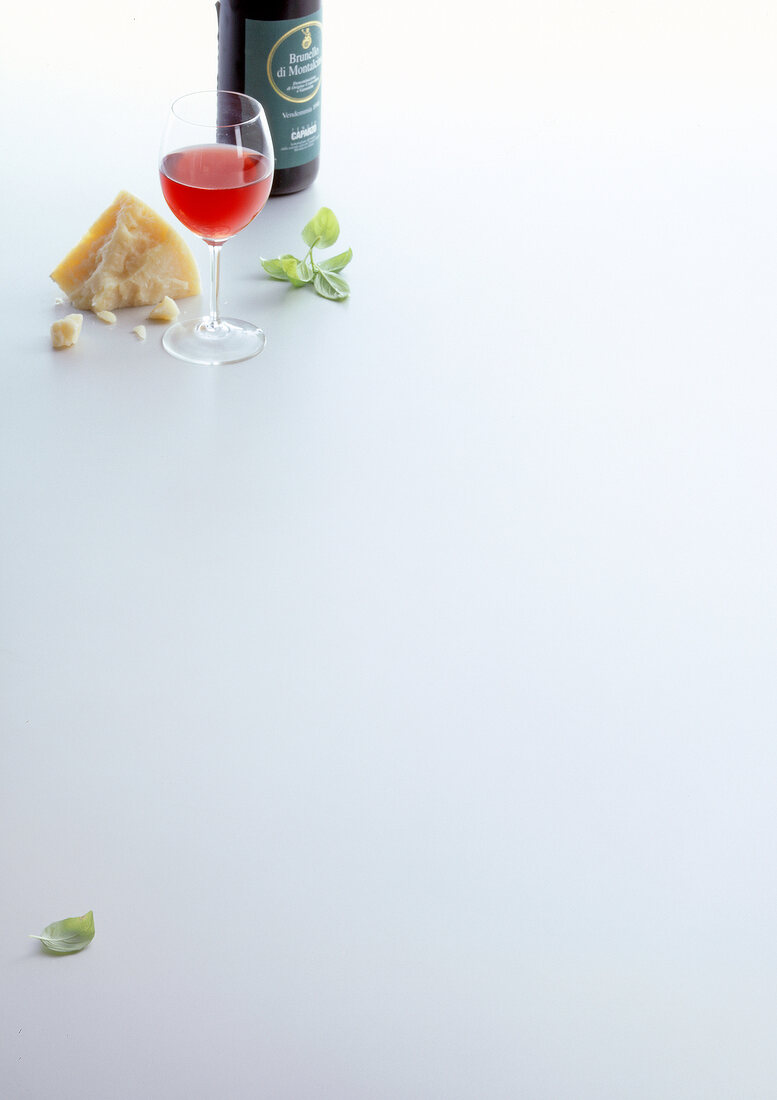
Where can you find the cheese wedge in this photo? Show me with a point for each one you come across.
(129, 257)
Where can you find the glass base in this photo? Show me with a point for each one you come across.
(199, 341)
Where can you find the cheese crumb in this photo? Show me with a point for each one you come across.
(65, 333)
(140, 331)
(166, 310)
(107, 316)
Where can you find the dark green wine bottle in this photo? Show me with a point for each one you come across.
(271, 50)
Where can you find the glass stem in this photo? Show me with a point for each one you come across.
(214, 320)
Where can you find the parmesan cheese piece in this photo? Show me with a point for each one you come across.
(129, 257)
(65, 333)
(107, 316)
(166, 310)
(140, 331)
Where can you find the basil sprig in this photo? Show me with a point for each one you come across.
(321, 232)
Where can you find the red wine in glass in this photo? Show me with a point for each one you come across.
(216, 190)
(216, 170)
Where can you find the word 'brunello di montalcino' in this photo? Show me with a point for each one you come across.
(301, 63)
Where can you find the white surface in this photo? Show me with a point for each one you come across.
(403, 701)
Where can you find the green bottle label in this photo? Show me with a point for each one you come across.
(283, 71)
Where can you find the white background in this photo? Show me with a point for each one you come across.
(403, 702)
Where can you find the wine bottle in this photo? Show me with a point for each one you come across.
(271, 50)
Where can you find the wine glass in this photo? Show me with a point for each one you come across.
(216, 167)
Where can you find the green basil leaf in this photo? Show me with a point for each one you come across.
(305, 271)
(331, 286)
(275, 269)
(337, 263)
(322, 230)
(66, 936)
(296, 270)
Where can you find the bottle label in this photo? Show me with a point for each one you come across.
(283, 71)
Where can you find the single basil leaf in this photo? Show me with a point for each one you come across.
(331, 286)
(305, 271)
(69, 935)
(322, 229)
(337, 263)
(275, 269)
(292, 266)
